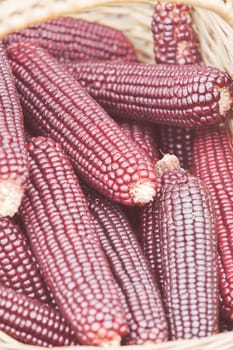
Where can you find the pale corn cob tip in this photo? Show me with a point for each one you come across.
(11, 194)
(169, 162)
(142, 192)
(225, 101)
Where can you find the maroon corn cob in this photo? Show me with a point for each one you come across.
(213, 163)
(18, 268)
(146, 316)
(32, 322)
(62, 236)
(143, 135)
(13, 155)
(177, 141)
(175, 42)
(188, 253)
(59, 107)
(73, 39)
(189, 95)
(150, 237)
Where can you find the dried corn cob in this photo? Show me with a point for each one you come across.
(143, 135)
(59, 107)
(32, 322)
(73, 39)
(189, 95)
(62, 236)
(146, 318)
(175, 41)
(188, 252)
(150, 238)
(18, 268)
(13, 155)
(213, 163)
(177, 141)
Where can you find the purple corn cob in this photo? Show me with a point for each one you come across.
(73, 39)
(213, 163)
(150, 237)
(59, 107)
(188, 252)
(177, 141)
(145, 313)
(62, 236)
(18, 268)
(175, 42)
(13, 155)
(189, 96)
(143, 135)
(32, 322)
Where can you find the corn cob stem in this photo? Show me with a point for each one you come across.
(189, 95)
(188, 253)
(18, 268)
(32, 322)
(13, 156)
(73, 39)
(213, 163)
(62, 236)
(59, 107)
(146, 316)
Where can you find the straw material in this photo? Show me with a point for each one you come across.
(214, 23)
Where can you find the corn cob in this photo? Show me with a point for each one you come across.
(213, 163)
(32, 322)
(146, 316)
(143, 135)
(59, 107)
(73, 39)
(188, 252)
(175, 41)
(13, 155)
(189, 95)
(62, 236)
(177, 141)
(150, 238)
(18, 268)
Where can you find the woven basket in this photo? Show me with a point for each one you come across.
(214, 23)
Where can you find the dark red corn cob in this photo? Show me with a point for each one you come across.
(73, 39)
(59, 107)
(150, 237)
(177, 141)
(188, 252)
(175, 40)
(62, 236)
(18, 268)
(146, 316)
(213, 163)
(13, 156)
(32, 322)
(143, 135)
(189, 95)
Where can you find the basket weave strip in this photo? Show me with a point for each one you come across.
(214, 23)
(222, 341)
(15, 15)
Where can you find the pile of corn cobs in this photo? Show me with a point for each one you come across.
(115, 186)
